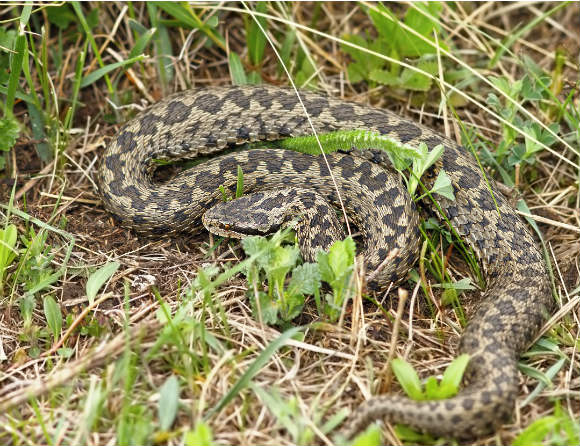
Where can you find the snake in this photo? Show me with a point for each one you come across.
(282, 186)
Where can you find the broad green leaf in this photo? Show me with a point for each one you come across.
(431, 388)
(432, 155)
(341, 256)
(168, 402)
(442, 186)
(268, 308)
(98, 278)
(305, 279)
(535, 433)
(370, 437)
(282, 260)
(53, 316)
(10, 130)
(60, 15)
(237, 69)
(462, 284)
(258, 246)
(453, 375)
(384, 77)
(200, 436)
(8, 237)
(408, 378)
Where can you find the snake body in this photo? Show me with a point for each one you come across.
(197, 123)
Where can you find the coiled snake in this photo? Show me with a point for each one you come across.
(285, 183)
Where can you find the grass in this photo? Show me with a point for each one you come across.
(107, 338)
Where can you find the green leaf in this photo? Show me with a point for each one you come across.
(26, 307)
(240, 183)
(237, 69)
(60, 15)
(408, 378)
(442, 186)
(286, 50)
(255, 36)
(98, 278)
(38, 127)
(53, 316)
(186, 15)
(200, 436)
(8, 238)
(256, 244)
(282, 260)
(168, 402)
(99, 73)
(341, 256)
(254, 368)
(142, 43)
(449, 296)
(268, 309)
(370, 437)
(460, 285)
(10, 130)
(431, 388)
(432, 155)
(453, 375)
(305, 279)
(137, 27)
(363, 63)
(285, 411)
(535, 433)
(16, 60)
(384, 77)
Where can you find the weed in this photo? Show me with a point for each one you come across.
(556, 430)
(398, 44)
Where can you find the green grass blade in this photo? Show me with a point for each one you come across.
(97, 74)
(237, 69)
(15, 68)
(249, 374)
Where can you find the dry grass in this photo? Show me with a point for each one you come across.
(121, 354)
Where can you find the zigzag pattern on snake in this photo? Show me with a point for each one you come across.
(206, 122)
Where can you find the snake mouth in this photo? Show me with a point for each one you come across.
(217, 227)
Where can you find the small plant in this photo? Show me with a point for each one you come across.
(35, 269)
(532, 88)
(336, 269)
(275, 263)
(8, 240)
(200, 436)
(291, 417)
(556, 430)
(399, 44)
(288, 281)
(431, 390)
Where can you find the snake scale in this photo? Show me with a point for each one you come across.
(204, 122)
